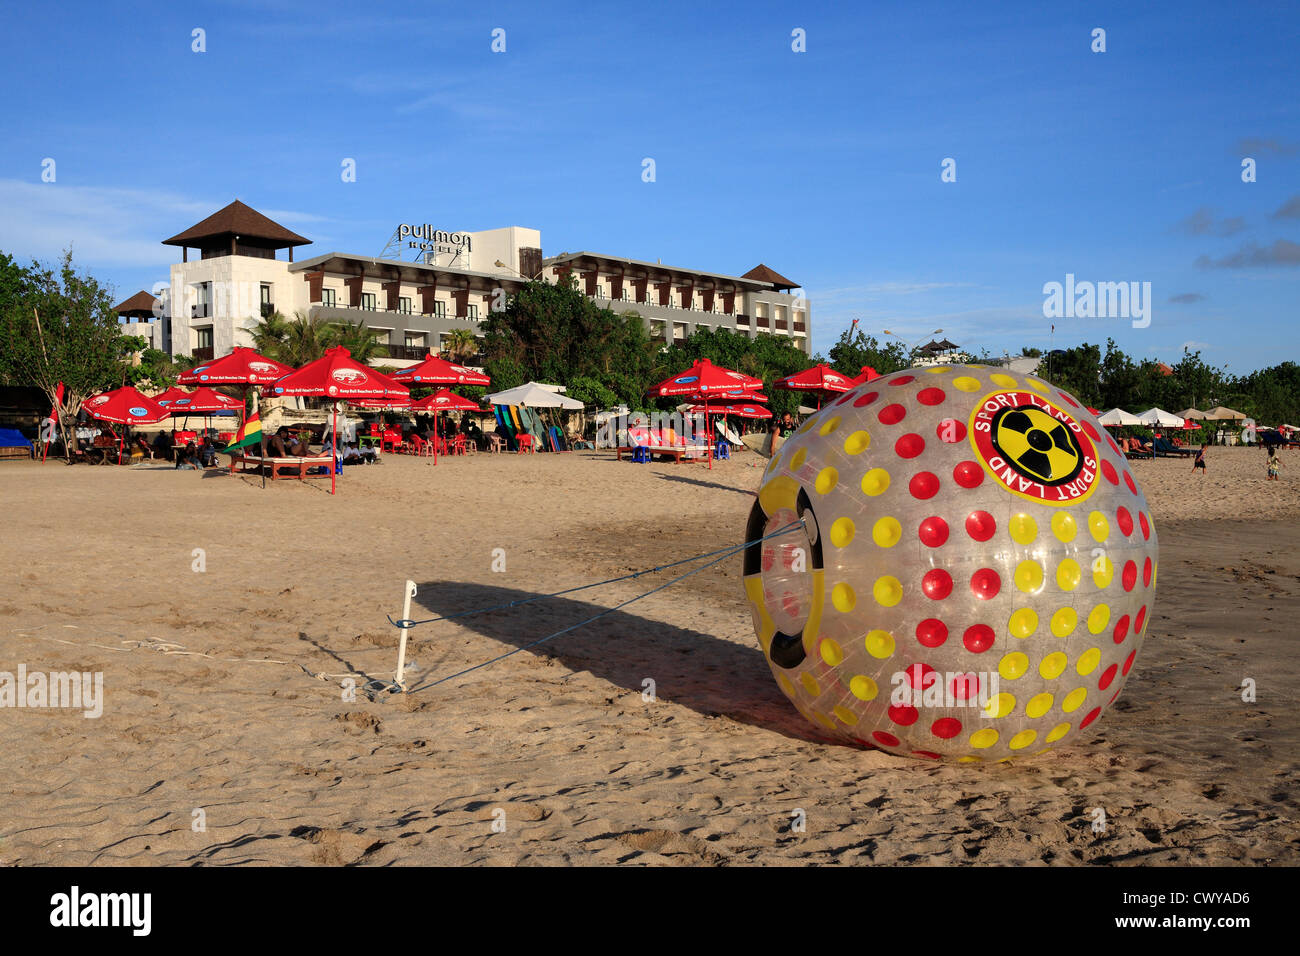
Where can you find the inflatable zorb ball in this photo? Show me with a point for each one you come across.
(973, 569)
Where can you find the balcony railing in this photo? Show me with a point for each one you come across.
(780, 325)
(800, 327)
(742, 320)
(200, 311)
(413, 353)
(203, 353)
(762, 322)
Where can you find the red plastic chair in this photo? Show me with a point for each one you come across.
(525, 445)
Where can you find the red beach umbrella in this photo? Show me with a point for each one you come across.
(124, 406)
(820, 379)
(338, 376)
(243, 366)
(704, 380)
(740, 411)
(866, 375)
(445, 401)
(437, 371)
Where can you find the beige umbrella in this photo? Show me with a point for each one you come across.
(1194, 414)
(1220, 414)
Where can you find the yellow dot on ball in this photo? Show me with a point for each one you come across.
(842, 532)
(1023, 528)
(1102, 572)
(857, 443)
(797, 460)
(875, 482)
(1029, 576)
(1038, 705)
(1063, 527)
(1068, 574)
(830, 426)
(1000, 705)
(1053, 665)
(970, 758)
(1013, 665)
(937, 369)
(1074, 700)
(785, 685)
(1088, 661)
(1057, 732)
(1036, 385)
(864, 688)
(827, 479)
(844, 599)
(965, 383)
(808, 423)
(887, 590)
(1023, 622)
(845, 715)
(1005, 381)
(1099, 618)
(810, 684)
(824, 720)
(1023, 739)
(887, 531)
(831, 652)
(983, 739)
(880, 645)
(1065, 621)
(1098, 526)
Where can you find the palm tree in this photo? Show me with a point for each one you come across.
(460, 344)
(307, 337)
(362, 342)
(270, 334)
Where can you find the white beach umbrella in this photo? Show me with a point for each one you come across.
(1117, 416)
(1158, 416)
(534, 395)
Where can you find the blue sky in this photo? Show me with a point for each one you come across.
(1115, 166)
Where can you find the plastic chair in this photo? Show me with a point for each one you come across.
(641, 455)
(525, 444)
(723, 451)
(495, 442)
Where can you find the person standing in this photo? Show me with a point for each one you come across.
(1199, 463)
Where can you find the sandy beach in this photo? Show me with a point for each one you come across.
(225, 737)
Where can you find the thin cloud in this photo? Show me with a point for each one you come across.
(1261, 144)
(1204, 222)
(1289, 209)
(1283, 252)
(1186, 298)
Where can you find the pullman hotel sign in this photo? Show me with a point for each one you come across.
(427, 239)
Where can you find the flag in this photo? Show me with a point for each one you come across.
(250, 433)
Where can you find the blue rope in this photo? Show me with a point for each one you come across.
(724, 554)
(406, 623)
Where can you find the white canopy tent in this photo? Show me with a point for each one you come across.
(535, 395)
(1160, 417)
(1117, 416)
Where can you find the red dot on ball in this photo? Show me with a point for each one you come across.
(933, 531)
(1092, 432)
(892, 414)
(985, 584)
(921, 675)
(1067, 399)
(1113, 445)
(927, 754)
(1140, 620)
(946, 728)
(1128, 662)
(901, 380)
(1146, 525)
(930, 396)
(1125, 520)
(846, 397)
(931, 632)
(910, 445)
(964, 686)
(1092, 715)
(924, 485)
(978, 638)
(1146, 573)
(862, 401)
(937, 584)
(1108, 676)
(1130, 578)
(1121, 629)
(950, 431)
(1128, 480)
(1108, 470)
(889, 740)
(968, 474)
(980, 525)
(904, 716)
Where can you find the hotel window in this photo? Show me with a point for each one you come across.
(473, 312)
(266, 305)
(404, 304)
(327, 298)
(439, 309)
(415, 340)
(368, 301)
(203, 307)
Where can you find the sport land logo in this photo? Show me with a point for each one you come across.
(1033, 448)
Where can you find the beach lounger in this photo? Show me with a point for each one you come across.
(279, 466)
(1166, 449)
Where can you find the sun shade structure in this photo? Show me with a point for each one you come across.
(139, 306)
(237, 230)
(1194, 414)
(534, 395)
(124, 406)
(1220, 414)
(1117, 416)
(704, 381)
(338, 376)
(762, 273)
(1158, 416)
(243, 366)
(201, 401)
(437, 371)
(819, 378)
(444, 400)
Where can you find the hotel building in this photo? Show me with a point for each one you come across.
(216, 298)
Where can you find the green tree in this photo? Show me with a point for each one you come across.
(461, 344)
(855, 348)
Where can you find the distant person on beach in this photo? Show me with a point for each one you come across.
(1274, 465)
(188, 457)
(788, 425)
(207, 452)
(162, 445)
(1199, 463)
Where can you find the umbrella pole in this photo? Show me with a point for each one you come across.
(334, 448)
(708, 436)
(435, 437)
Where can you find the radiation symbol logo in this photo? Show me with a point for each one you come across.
(1037, 445)
(1033, 447)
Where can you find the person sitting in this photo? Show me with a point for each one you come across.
(187, 457)
(298, 447)
(162, 445)
(208, 453)
(278, 446)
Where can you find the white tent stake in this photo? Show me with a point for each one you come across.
(401, 650)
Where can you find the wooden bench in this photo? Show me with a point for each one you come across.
(277, 466)
(676, 451)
